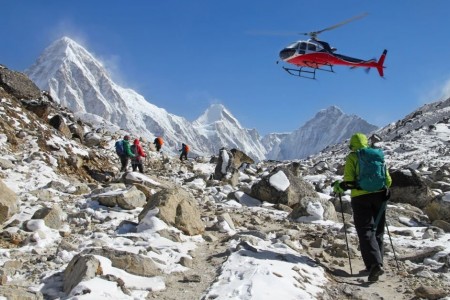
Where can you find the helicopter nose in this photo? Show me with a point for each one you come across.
(286, 53)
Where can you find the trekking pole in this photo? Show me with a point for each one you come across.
(392, 245)
(345, 231)
(375, 225)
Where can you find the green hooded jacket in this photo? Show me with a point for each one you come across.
(127, 149)
(351, 169)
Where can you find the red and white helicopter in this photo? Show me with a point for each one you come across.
(313, 54)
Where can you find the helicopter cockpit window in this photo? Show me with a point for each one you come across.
(293, 45)
(302, 48)
(311, 47)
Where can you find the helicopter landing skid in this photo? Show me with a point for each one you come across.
(308, 72)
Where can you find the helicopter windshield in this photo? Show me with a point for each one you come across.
(293, 45)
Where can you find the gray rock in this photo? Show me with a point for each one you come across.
(442, 224)
(409, 187)
(430, 293)
(438, 209)
(132, 263)
(297, 189)
(8, 203)
(6, 164)
(80, 268)
(18, 84)
(52, 216)
(59, 124)
(177, 208)
(92, 139)
(311, 209)
(14, 292)
(127, 199)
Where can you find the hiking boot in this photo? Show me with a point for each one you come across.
(375, 272)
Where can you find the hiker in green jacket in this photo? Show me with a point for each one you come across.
(369, 208)
(124, 159)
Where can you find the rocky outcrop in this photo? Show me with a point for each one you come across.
(132, 263)
(52, 216)
(176, 207)
(438, 209)
(130, 198)
(409, 187)
(18, 85)
(8, 203)
(267, 190)
(80, 268)
(314, 209)
(59, 124)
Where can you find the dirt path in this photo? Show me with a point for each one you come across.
(392, 285)
(208, 257)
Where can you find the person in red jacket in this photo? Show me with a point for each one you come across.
(136, 161)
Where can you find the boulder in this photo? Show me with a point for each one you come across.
(130, 198)
(8, 203)
(92, 139)
(130, 262)
(77, 131)
(268, 188)
(15, 292)
(314, 209)
(225, 169)
(41, 108)
(52, 216)
(18, 84)
(80, 268)
(178, 208)
(59, 124)
(408, 187)
(438, 209)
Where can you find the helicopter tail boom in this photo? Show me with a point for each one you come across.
(380, 63)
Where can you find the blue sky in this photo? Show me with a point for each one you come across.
(185, 55)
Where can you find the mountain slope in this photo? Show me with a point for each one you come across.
(419, 141)
(329, 126)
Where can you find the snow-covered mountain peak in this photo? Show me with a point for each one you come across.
(216, 113)
(65, 49)
(329, 126)
(333, 109)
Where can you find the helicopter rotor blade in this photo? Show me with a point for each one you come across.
(314, 34)
(271, 33)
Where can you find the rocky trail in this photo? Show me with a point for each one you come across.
(220, 227)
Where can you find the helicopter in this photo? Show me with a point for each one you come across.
(313, 54)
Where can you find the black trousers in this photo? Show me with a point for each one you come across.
(124, 163)
(183, 154)
(365, 211)
(137, 166)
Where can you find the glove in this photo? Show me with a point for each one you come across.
(337, 189)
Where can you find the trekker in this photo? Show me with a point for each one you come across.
(184, 151)
(136, 161)
(369, 207)
(158, 143)
(124, 152)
